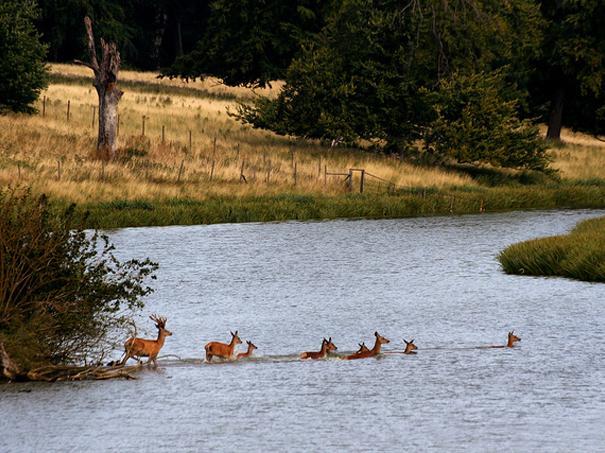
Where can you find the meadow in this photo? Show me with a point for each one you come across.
(183, 159)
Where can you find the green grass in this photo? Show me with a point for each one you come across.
(122, 213)
(579, 255)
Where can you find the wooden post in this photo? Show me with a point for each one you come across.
(452, 205)
(68, 107)
(363, 174)
(319, 168)
(212, 170)
(294, 170)
(143, 126)
(118, 127)
(482, 207)
(162, 134)
(214, 147)
(103, 170)
(94, 112)
(325, 175)
(238, 151)
(19, 169)
(350, 183)
(190, 142)
(181, 168)
(242, 178)
(58, 170)
(44, 106)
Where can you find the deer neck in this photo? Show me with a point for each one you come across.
(510, 343)
(232, 345)
(161, 337)
(377, 347)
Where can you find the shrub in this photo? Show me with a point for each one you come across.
(63, 293)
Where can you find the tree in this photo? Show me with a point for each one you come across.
(367, 74)
(251, 42)
(63, 293)
(105, 82)
(571, 76)
(22, 71)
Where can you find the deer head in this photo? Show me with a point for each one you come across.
(331, 346)
(410, 347)
(362, 348)
(251, 346)
(235, 339)
(512, 339)
(160, 323)
(380, 339)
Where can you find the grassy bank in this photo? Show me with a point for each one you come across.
(579, 254)
(184, 160)
(123, 213)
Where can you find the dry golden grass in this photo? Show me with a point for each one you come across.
(57, 157)
(580, 157)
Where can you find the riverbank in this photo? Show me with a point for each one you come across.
(579, 255)
(132, 213)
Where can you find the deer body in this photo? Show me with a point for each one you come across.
(140, 347)
(248, 353)
(380, 340)
(326, 347)
(223, 350)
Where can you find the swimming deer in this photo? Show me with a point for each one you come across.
(512, 339)
(218, 349)
(410, 347)
(248, 353)
(326, 347)
(139, 347)
(380, 340)
(362, 348)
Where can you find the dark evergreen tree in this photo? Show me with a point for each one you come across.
(22, 71)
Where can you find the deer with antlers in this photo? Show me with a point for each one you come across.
(140, 347)
(380, 340)
(222, 350)
(326, 347)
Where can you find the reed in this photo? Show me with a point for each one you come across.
(579, 255)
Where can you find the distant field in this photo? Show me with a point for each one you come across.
(56, 155)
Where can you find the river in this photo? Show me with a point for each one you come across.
(284, 286)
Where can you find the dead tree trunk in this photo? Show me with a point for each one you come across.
(106, 79)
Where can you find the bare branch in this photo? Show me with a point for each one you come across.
(94, 63)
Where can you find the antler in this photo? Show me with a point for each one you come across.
(160, 321)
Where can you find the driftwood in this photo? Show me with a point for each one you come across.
(105, 82)
(54, 373)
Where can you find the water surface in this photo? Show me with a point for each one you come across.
(285, 286)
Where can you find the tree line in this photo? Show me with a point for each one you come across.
(457, 76)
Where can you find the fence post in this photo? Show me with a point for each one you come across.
(178, 179)
(363, 174)
(118, 127)
(350, 180)
(94, 112)
(190, 142)
(58, 170)
(295, 165)
(143, 127)
(241, 172)
(44, 106)
(19, 169)
(214, 147)
(325, 175)
(212, 170)
(163, 134)
(68, 108)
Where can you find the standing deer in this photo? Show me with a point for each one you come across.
(326, 347)
(248, 353)
(140, 347)
(410, 347)
(380, 340)
(223, 350)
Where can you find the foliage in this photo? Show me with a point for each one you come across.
(22, 71)
(250, 42)
(579, 255)
(474, 124)
(370, 72)
(63, 292)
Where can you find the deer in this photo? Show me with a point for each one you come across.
(380, 340)
(510, 343)
(362, 348)
(326, 347)
(140, 347)
(248, 353)
(410, 347)
(223, 350)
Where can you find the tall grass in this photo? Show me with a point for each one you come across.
(579, 254)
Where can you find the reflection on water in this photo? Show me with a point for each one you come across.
(284, 286)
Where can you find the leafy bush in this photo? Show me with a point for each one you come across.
(474, 123)
(63, 293)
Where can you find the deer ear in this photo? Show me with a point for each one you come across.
(376, 333)
(236, 333)
(404, 340)
(412, 340)
(330, 340)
